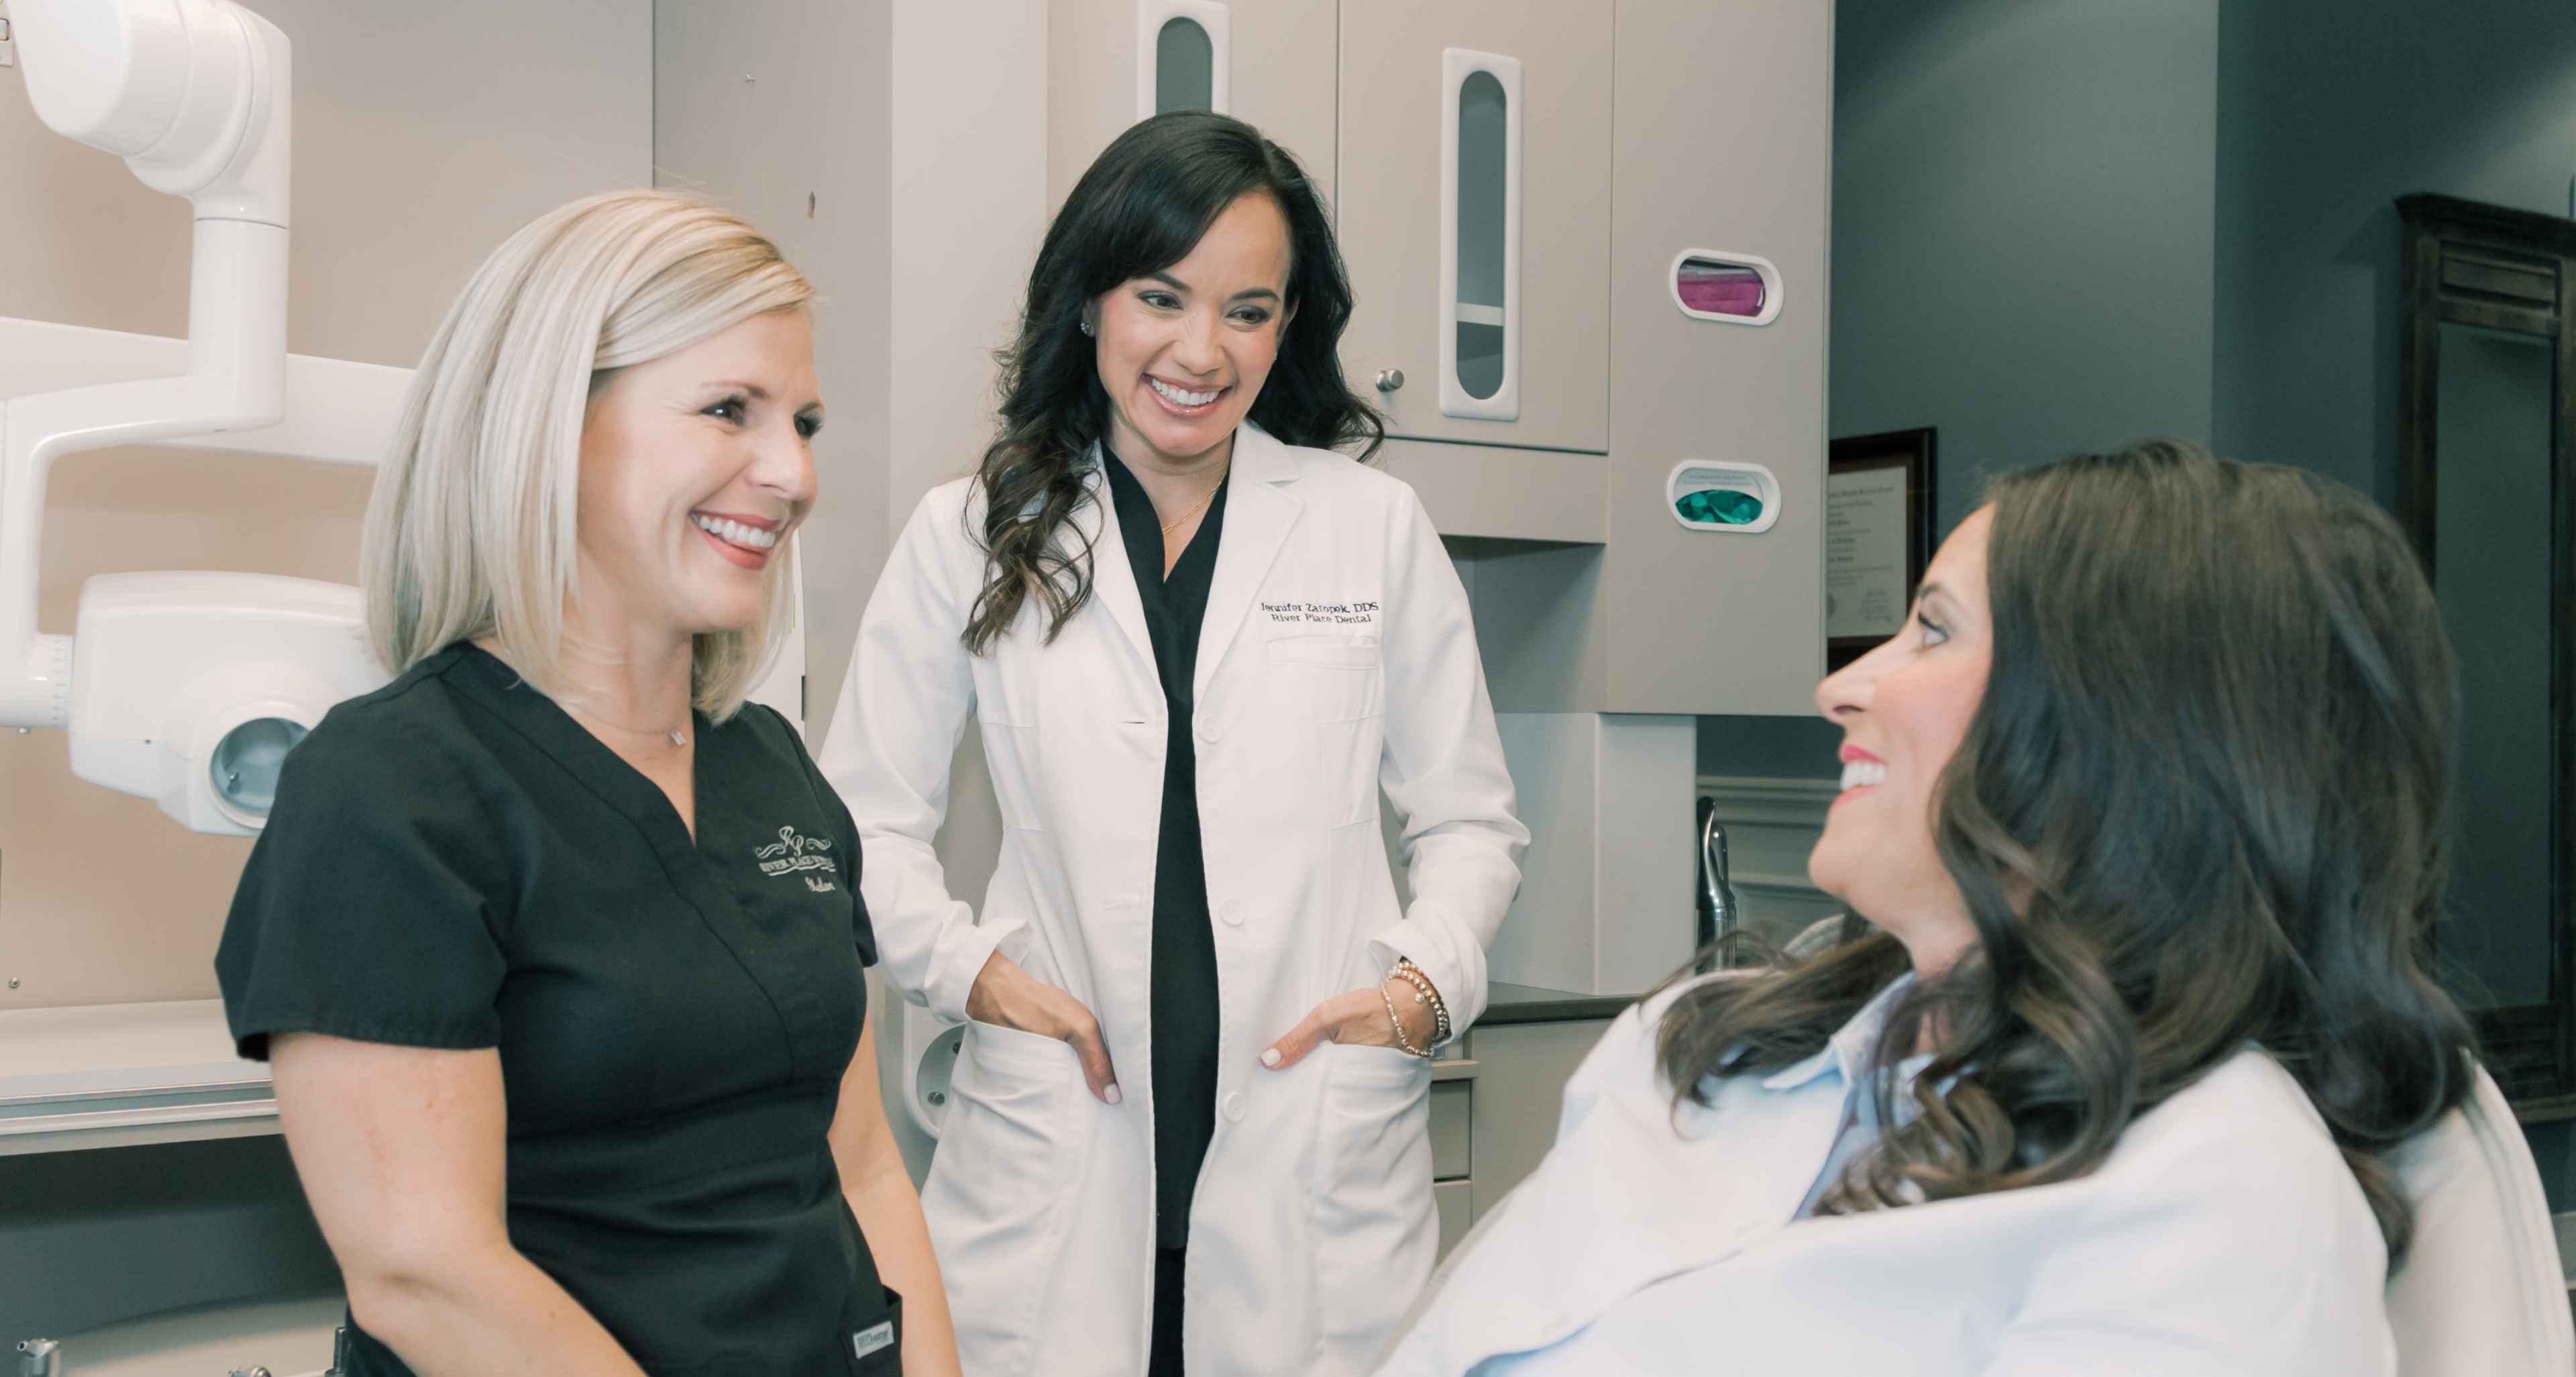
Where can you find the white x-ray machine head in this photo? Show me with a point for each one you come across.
(184, 688)
(188, 688)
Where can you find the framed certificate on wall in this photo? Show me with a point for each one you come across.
(1878, 535)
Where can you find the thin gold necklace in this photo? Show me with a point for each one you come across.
(675, 735)
(1202, 503)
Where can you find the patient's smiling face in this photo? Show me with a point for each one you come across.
(1904, 708)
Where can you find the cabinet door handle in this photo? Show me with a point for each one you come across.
(1389, 379)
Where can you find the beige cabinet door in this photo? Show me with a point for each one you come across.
(1499, 109)
(1521, 1071)
(1269, 63)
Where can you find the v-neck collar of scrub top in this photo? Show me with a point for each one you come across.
(1261, 509)
(698, 875)
(588, 759)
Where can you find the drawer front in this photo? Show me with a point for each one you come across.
(1452, 1114)
(1457, 1212)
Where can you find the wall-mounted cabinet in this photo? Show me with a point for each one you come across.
(1594, 591)
(1738, 172)
(1475, 216)
(1112, 62)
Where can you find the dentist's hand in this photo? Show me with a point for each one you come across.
(1010, 997)
(1357, 1017)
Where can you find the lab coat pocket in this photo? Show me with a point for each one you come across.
(1341, 683)
(1375, 1229)
(1012, 1153)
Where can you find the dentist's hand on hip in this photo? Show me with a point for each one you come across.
(1010, 997)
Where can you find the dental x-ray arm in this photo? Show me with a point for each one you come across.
(193, 94)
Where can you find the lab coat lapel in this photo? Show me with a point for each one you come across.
(1113, 583)
(1259, 513)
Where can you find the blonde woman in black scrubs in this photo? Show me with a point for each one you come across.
(555, 942)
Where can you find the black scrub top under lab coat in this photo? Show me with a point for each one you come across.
(454, 862)
(1183, 975)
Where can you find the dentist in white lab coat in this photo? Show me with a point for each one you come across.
(1186, 1133)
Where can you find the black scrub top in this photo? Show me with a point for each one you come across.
(454, 862)
(1183, 974)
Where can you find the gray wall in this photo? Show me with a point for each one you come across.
(2328, 110)
(2023, 206)
(423, 134)
(2023, 211)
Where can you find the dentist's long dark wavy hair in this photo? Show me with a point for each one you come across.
(1142, 207)
(2216, 754)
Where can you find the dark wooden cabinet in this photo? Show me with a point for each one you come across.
(2486, 437)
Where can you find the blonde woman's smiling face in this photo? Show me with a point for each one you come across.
(695, 468)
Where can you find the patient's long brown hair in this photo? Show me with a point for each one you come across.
(2215, 752)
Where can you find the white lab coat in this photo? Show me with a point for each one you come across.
(2223, 1237)
(1336, 655)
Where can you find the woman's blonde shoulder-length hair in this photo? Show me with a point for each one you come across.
(470, 532)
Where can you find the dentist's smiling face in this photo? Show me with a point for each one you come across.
(1904, 708)
(695, 468)
(1184, 351)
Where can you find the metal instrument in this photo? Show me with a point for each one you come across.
(1724, 911)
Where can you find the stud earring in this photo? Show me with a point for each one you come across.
(1086, 327)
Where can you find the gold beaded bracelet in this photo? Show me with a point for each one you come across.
(1424, 993)
(1402, 1042)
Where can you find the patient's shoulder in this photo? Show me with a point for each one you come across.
(2241, 1142)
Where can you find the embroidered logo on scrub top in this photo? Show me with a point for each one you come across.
(791, 854)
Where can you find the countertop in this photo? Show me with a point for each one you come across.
(1531, 1004)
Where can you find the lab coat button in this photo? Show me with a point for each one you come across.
(1207, 729)
(1234, 1107)
(1232, 913)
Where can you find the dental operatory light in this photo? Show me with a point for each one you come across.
(187, 689)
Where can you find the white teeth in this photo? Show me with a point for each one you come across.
(1180, 398)
(735, 533)
(1860, 774)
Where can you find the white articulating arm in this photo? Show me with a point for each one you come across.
(193, 94)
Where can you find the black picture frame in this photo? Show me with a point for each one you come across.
(1918, 453)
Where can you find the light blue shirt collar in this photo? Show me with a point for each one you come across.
(1849, 1051)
